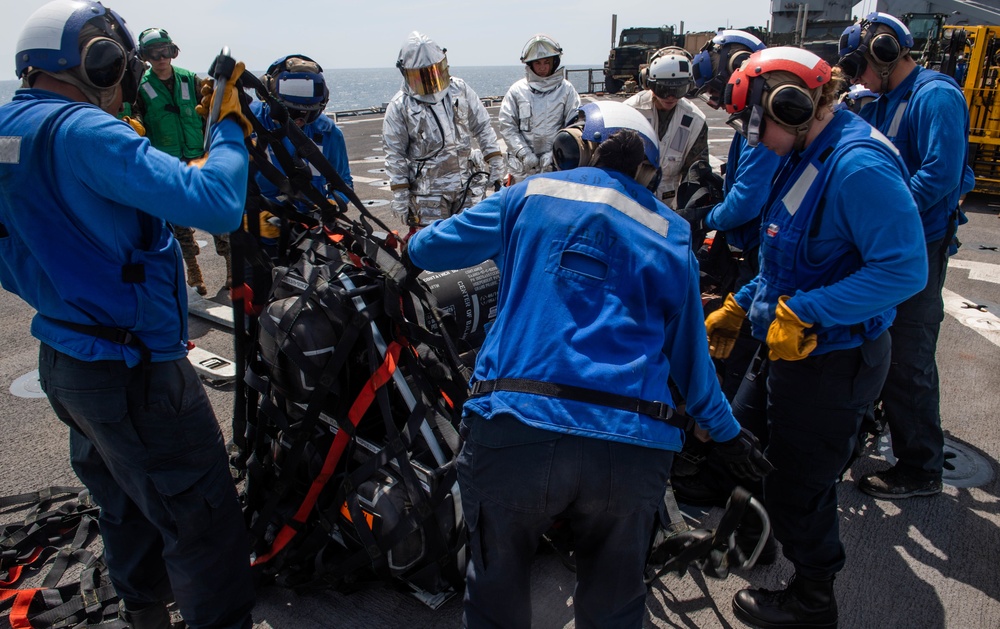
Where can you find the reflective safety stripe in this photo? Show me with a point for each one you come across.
(793, 198)
(877, 135)
(897, 119)
(571, 191)
(149, 89)
(10, 149)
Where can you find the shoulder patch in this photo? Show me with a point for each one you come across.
(10, 149)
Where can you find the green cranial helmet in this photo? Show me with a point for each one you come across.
(156, 38)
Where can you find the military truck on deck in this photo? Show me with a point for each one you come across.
(634, 48)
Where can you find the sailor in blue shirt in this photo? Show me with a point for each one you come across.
(749, 172)
(297, 82)
(822, 302)
(598, 306)
(84, 240)
(924, 114)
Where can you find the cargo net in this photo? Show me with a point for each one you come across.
(353, 379)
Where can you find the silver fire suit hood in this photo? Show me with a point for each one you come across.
(424, 66)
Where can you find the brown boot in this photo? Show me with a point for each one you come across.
(229, 271)
(194, 278)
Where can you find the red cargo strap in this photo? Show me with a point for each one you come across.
(19, 611)
(358, 409)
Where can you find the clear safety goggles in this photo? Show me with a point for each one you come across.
(428, 80)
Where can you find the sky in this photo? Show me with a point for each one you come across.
(368, 33)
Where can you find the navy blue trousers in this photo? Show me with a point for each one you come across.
(911, 397)
(814, 409)
(516, 480)
(170, 517)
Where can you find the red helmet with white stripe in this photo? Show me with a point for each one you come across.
(783, 84)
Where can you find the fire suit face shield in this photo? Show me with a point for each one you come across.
(429, 80)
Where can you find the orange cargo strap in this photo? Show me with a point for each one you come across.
(358, 409)
(19, 611)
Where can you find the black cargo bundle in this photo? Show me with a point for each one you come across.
(353, 447)
(352, 386)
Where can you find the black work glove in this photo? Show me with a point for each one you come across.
(412, 270)
(695, 216)
(743, 456)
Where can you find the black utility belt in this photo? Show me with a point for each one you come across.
(657, 410)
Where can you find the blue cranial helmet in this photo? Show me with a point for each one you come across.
(862, 43)
(297, 82)
(863, 32)
(577, 144)
(50, 40)
(718, 59)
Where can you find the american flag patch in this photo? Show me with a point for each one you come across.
(772, 230)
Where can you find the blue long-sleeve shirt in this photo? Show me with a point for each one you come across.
(323, 132)
(83, 202)
(749, 173)
(868, 214)
(598, 289)
(932, 137)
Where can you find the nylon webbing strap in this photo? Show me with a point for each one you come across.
(358, 409)
(657, 410)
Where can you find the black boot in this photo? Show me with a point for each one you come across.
(805, 603)
(154, 616)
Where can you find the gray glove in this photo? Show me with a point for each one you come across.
(743, 456)
(529, 159)
(401, 204)
(498, 169)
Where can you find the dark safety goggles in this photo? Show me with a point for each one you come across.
(853, 65)
(161, 52)
(670, 89)
(103, 62)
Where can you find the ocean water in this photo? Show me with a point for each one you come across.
(364, 88)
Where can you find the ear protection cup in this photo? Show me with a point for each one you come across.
(736, 60)
(884, 48)
(570, 150)
(103, 62)
(789, 105)
(648, 176)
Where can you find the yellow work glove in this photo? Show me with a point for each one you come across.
(136, 124)
(230, 100)
(723, 326)
(267, 230)
(787, 338)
